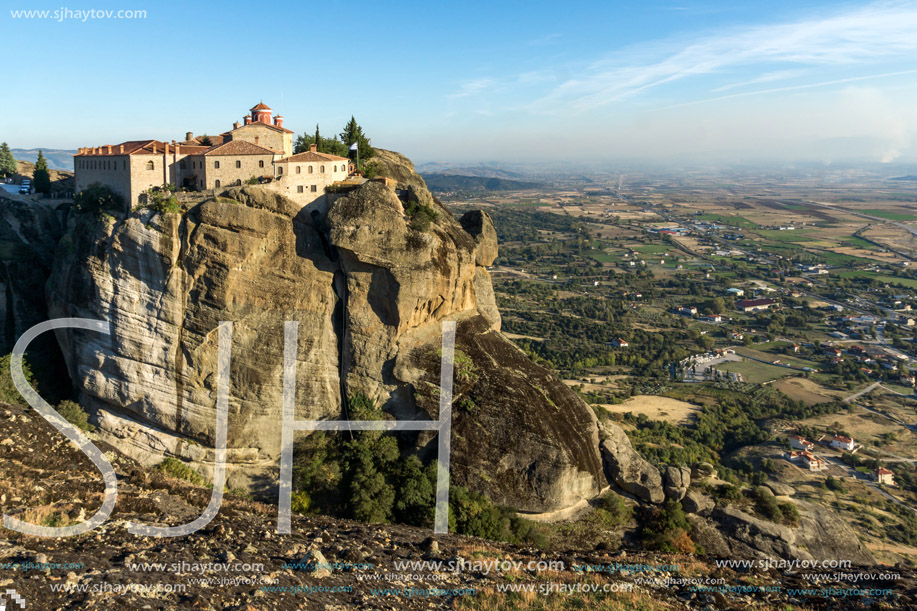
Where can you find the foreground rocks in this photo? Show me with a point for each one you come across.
(238, 562)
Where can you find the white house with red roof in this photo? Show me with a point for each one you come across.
(842, 443)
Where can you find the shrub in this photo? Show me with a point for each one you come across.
(98, 198)
(172, 467)
(614, 511)
(667, 529)
(300, 502)
(420, 215)
(8, 392)
(835, 485)
(162, 200)
(74, 414)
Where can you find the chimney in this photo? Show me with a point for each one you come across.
(188, 136)
(166, 150)
(312, 147)
(154, 148)
(178, 149)
(248, 119)
(121, 148)
(109, 149)
(236, 125)
(278, 121)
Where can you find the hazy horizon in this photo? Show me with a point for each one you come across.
(659, 83)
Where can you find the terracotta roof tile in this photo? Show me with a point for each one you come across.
(260, 106)
(310, 156)
(239, 147)
(274, 127)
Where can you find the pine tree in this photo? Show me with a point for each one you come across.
(354, 133)
(41, 178)
(8, 164)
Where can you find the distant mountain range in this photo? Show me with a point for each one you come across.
(486, 170)
(454, 182)
(58, 159)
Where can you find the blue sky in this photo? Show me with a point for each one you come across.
(473, 81)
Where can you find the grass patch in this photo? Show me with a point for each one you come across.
(892, 216)
(174, 468)
(755, 372)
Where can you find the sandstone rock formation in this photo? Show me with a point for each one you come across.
(627, 469)
(370, 294)
(676, 481)
(820, 535)
(28, 238)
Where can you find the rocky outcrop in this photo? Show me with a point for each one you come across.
(626, 468)
(696, 502)
(29, 233)
(820, 535)
(370, 294)
(676, 481)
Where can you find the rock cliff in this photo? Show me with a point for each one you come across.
(370, 293)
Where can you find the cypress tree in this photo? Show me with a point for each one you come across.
(41, 178)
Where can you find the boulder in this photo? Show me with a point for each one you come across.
(696, 502)
(780, 489)
(676, 481)
(628, 470)
(820, 535)
(703, 470)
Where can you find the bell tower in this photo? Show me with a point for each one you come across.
(261, 113)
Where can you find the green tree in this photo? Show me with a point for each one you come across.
(98, 198)
(354, 133)
(8, 164)
(8, 392)
(318, 140)
(41, 178)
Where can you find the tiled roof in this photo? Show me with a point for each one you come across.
(310, 156)
(131, 147)
(239, 147)
(196, 141)
(274, 127)
(260, 106)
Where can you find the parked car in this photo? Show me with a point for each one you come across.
(25, 186)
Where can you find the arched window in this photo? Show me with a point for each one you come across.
(310, 169)
(238, 163)
(238, 181)
(299, 169)
(216, 184)
(216, 164)
(322, 169)
(280, 169)
(150, 165)
(261, 163)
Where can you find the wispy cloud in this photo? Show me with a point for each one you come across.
(474, 87)
(769, 77)
(839, 81)
(859, 37)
